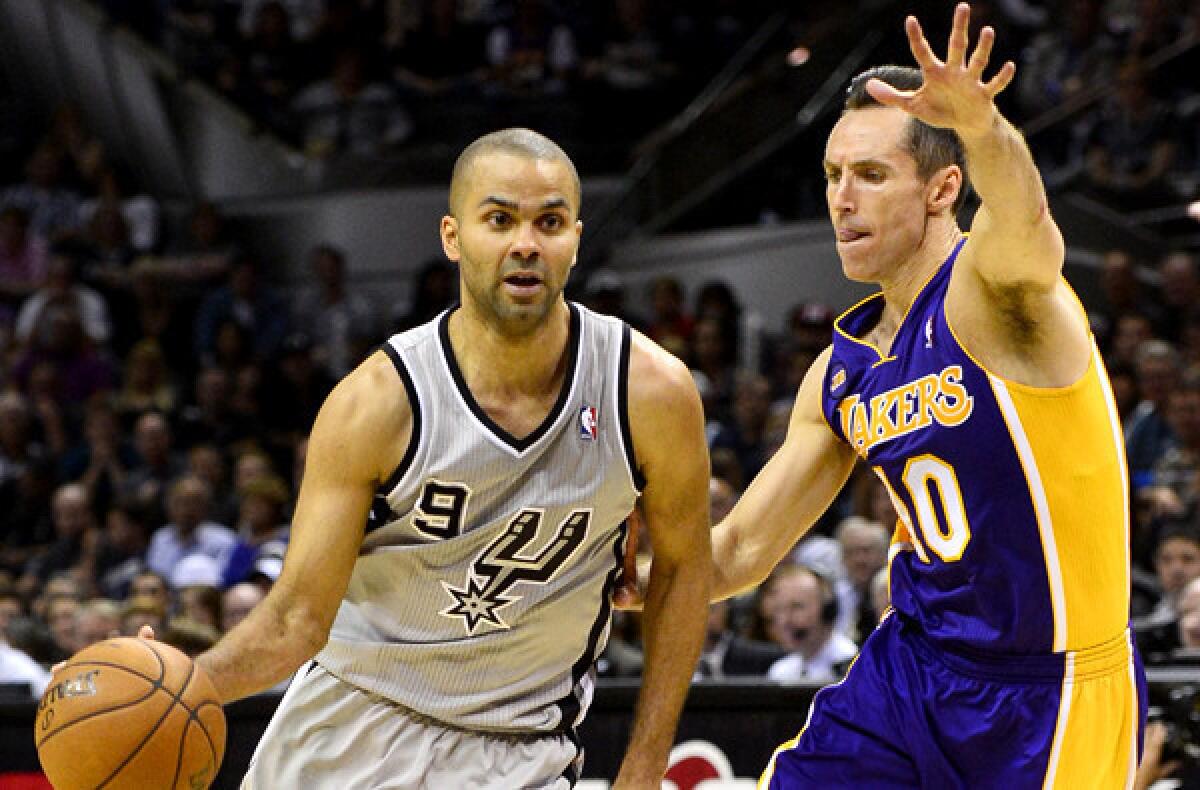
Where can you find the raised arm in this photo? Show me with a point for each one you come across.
(786, 497)
(667, 423)
(1006, 298)
(363, 420)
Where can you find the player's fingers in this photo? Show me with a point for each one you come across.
(887, 95)
(146, 632)
(1002, 78)
(957, 50)
(983, 51)
(919, 46)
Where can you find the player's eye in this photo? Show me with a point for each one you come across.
(552, 222)
(872, 175)
(498, 219)
(832, 176)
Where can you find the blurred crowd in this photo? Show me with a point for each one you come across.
(156, 387)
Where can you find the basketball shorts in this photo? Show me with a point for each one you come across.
(329, 734)
(910, 715)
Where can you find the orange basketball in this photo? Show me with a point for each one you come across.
(130, 713)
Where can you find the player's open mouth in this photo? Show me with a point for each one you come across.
(523, 280)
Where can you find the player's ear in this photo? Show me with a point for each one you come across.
(578, 237)
(449, 233)
(942, 190)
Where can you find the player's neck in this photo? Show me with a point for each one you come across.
(901, 290)
(495, 363)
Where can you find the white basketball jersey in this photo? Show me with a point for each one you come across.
(481, 597)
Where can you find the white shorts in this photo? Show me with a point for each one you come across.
(329, 734)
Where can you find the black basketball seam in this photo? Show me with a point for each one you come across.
(146, 738)
(183, 736)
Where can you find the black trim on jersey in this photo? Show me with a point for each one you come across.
(568, 706)
(414, 403)
(567, 386)
(571, 772)
(639, 480)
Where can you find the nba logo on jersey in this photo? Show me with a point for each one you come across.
(587, 423)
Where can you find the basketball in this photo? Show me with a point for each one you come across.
(130, 713)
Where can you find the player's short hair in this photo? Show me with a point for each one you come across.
(518, 142)
(933, 148)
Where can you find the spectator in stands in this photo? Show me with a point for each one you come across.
(208, 461)
(61, 618)
(1075, 50)
(17, 667)
(102, 458)
(26, 506)
(97, 619)
(189, 532)
(807, 612)
(1122, 292)
(1174, 491)
(141, 610)
(727, 655)
(301, 16)
(443, 56)
(237, 602)
(140, 212)
(53, 209)
(435, 287)
(632, 61)
(531, 54)
(347, 114)
(1179, 289)
(83, 152)
(864, 553)
(1176, 563)
(1147, 434)
(146, 383)
(261, 528)
(23, 259)
(63, 289)
(671, 326)
(274, 63)
(202, 256)
(259, 311)
(18, 447)
(341, 322)
(713, 364)
(197, 581)
(121, 551)
(1130, 331)
(73, 518)
(1130, 147)
(209, 417)
(746, 433)
(189, 636)
(152, 586)
(158, 464)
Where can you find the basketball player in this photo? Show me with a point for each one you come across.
(973, 388)
(459, 530)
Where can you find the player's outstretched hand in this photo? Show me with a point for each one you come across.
(954, 94)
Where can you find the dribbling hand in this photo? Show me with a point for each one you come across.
(954, 95)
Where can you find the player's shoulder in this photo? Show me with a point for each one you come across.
(655, 372)
(373, 397)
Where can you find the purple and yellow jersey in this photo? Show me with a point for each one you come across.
(1012, 534)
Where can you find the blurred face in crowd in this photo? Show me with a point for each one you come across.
(799, 597)
(93, 625)
(237, 603)
(1177, 562)
(72, 511)
(152, 437)
(188, 502)
(60, 617)
(151, 586)
(1189, 615)
(1183, 415)
(864, 551)
(1156, 378)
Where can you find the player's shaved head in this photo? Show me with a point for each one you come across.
(517, 142)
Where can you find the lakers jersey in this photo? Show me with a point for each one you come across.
(482, 592)
(1012, 534)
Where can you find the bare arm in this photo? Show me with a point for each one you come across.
(365, 411)
(1006, 300)
(784, 500)
(667, 422)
